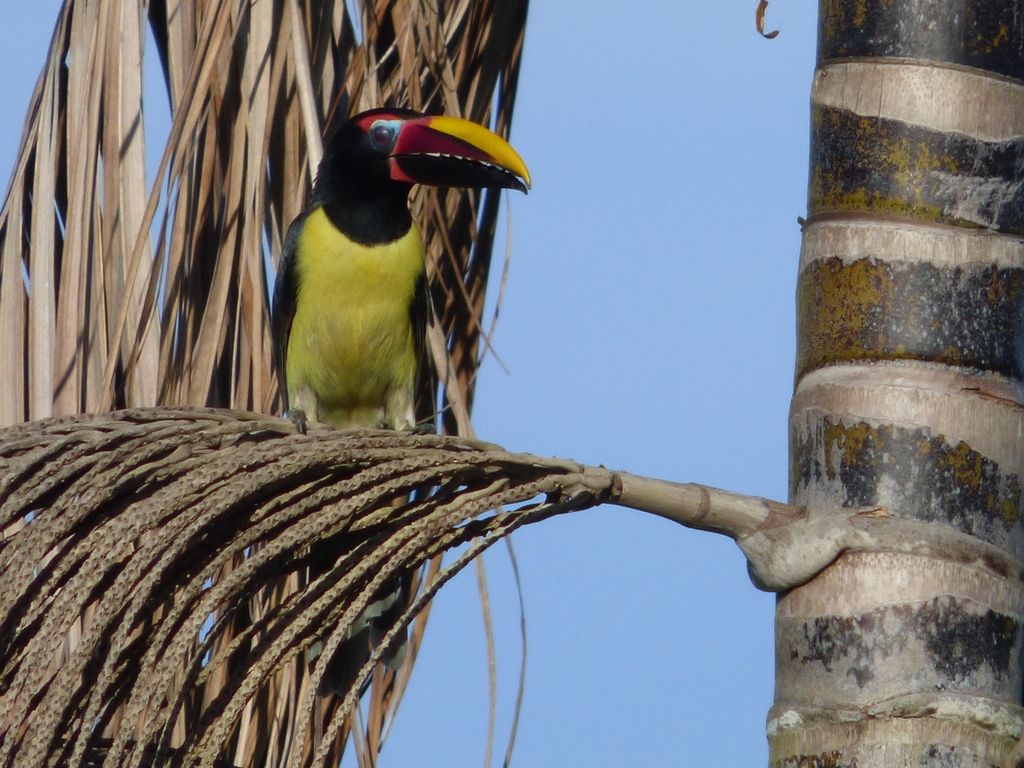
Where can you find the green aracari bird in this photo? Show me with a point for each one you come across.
(351, 302)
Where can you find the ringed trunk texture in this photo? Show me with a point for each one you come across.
(910, 355)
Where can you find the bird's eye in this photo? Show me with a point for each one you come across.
(382, 135)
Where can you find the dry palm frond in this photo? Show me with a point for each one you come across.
(138, 513)
(122, 291)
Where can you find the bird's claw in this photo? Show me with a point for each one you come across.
(297, 416)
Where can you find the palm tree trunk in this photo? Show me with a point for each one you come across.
(909, 387)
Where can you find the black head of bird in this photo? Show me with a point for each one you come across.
(374, 158)
(400, 146)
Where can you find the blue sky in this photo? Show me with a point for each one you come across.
(648, 325)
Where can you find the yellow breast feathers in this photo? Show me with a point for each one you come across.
(351, 358)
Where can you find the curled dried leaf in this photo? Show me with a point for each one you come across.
(759, 20)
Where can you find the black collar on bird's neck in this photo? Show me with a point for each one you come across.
(367, 213)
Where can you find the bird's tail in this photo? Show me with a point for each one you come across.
(364, 636)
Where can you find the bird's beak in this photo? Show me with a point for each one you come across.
(450, 152)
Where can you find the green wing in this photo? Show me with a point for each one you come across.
(285, 294)
(421, 313)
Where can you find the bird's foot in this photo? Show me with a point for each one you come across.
(297, 416)
(422, 429)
